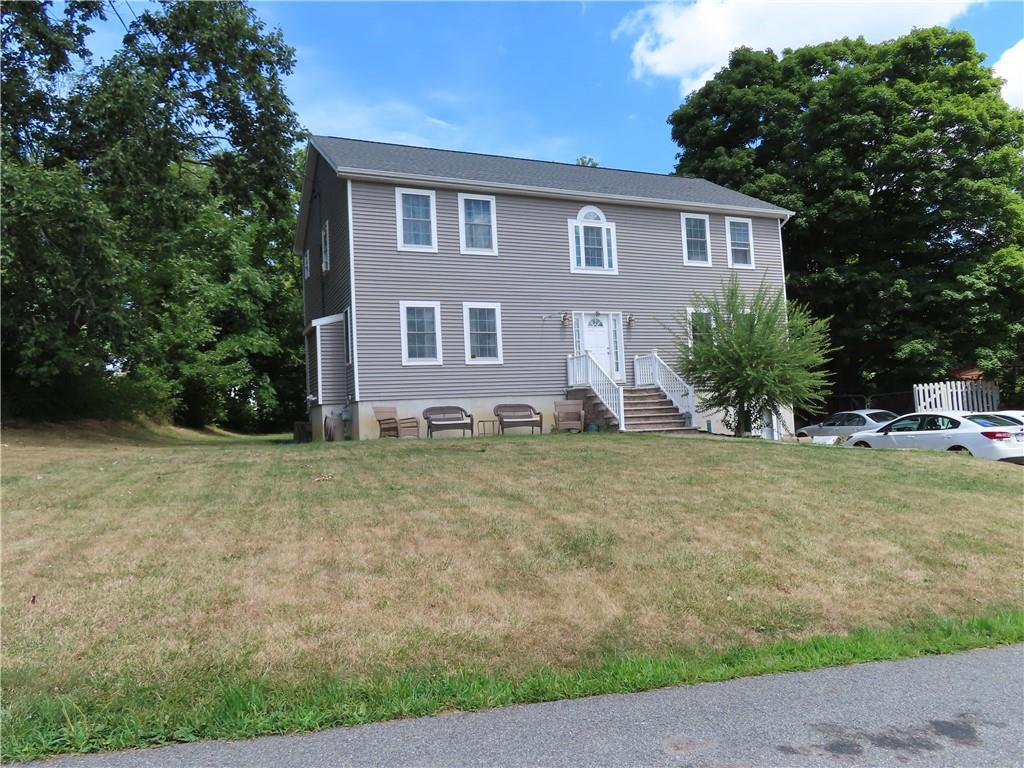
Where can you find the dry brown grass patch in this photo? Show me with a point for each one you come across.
(498, 553)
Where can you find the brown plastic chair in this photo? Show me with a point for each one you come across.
(392, 426)
(569, 415)
(511, 415)
(442, 417)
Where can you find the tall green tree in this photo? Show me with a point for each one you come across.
(169, 174)
(905, 168)
(749, 356)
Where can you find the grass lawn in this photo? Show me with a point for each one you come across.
(165, 585)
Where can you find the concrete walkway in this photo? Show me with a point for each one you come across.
(963, 710)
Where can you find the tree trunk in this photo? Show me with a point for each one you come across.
(742, 420)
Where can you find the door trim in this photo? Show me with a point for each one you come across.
(614, 328)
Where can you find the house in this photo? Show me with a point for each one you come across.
(433, 277)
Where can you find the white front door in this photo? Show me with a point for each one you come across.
(597, 339)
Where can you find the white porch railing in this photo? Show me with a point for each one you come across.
(585, 371)
(650, 370)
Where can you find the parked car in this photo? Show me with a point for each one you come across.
(845, 423)
(1017, 416)
(986, 435)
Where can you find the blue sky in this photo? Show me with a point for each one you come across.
(556, 80)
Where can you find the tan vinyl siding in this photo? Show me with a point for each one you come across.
(333, 375)
(531, 279)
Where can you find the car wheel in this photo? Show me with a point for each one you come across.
(801, 434)
(961, 450)
(861, 444)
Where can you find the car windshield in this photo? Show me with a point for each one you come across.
(882, 416)
(991, 420)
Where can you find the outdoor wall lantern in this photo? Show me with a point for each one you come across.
(630, 320)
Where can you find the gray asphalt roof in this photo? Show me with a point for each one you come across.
(400, 159)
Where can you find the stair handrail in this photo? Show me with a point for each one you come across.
(584, 371)
(651, 370)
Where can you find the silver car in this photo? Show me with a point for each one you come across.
(845, 423)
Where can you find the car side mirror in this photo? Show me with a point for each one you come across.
(885, 430)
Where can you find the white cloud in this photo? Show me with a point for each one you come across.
(1010, 67)
(691, 42)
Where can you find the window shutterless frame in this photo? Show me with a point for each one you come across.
(467, 333)
(690, 312)
(591, 217)
(305, 265)
(464, 247)
(702, 217)
(403, 307)
(400, 192)
(325, 246)
(729, 244)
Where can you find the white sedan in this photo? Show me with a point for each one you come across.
(1017, 416)
(985, 435)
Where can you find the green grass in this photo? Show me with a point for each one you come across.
(229, 704)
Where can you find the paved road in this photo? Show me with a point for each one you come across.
(964, 710)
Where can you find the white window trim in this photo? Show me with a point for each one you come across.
(306, 268)
(689, 321)
(466, 306)
(325, 246)
(400, 222)
(620, 351)
(707, 239)
(463, 249)
(728, 241)
(402, 306)
(606, 226)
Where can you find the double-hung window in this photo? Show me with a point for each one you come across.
(482, 331)
(700, 323)
(696, 239)
(592, 242)
(416, 213)
(305, 264)
(421, 332)
(739, 241)
(478, 226)
(325, 246)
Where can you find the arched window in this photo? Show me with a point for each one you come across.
(592, 242)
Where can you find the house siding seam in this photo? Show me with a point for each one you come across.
(532, 281)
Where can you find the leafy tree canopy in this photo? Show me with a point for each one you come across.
(148, 207)
(750, 356)
(904, 166)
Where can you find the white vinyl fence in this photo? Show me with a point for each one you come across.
(956, 396)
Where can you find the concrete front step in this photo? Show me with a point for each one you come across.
(663, 422)
(644, 410)
(660, 430)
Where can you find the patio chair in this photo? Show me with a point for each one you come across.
(511, 415)
(442, 417)
(392, 426)
(569, 415)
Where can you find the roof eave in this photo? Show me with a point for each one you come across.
(364, 174)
